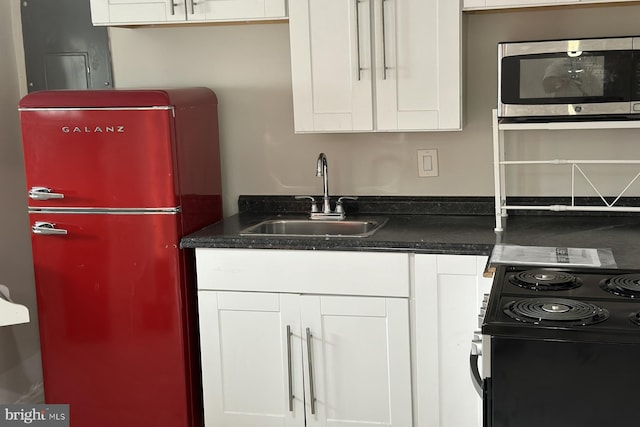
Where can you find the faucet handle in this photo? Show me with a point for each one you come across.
(347, 197)
(339, 208)
(314, 207)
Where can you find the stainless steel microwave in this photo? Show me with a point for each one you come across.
(569, 79)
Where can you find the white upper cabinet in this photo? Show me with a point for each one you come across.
(506, 4)
(140, 12)
(375, 65)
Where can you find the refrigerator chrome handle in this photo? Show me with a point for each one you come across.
(43, 193)
(47, 229)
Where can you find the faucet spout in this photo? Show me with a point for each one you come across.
(322, 170)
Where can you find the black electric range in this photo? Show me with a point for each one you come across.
(561, 347)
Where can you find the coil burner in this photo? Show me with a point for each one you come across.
(545, 280)
(625, 285)
(555, 311)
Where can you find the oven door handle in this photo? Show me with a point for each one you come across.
(476, 352)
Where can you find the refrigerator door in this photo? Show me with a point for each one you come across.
(100, 157)
(113, 319)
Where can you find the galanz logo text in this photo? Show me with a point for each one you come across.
(93, 129)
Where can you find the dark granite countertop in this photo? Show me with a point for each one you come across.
(463, 226)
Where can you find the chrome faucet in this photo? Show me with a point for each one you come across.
(323, 171)
(326, 213)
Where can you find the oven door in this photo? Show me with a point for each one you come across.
(553, 383)
(558, 79)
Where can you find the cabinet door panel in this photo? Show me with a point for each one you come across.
(446, 307)
(136, 11)
(238, 9)
(360, 361)
(506, 4)
(245, 359)
(523, 3)
(330, 41)
(417, 64)
(406, 78)
(458, 317)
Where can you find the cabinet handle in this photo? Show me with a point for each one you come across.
(357, 3)
(291, 396)
(192, 4)
(172, 7)
(384, 42)
(312, 392)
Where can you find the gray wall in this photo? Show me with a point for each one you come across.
(249, 67)
(19, 347)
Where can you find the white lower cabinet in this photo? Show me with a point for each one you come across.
(446, 298)
(277, 358)
(333, 339)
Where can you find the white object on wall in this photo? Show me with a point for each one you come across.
(10, 312)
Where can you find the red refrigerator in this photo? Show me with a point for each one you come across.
(115, 179)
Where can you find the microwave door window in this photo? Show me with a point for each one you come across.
(568, 77)
(574, 77)
(565, 79)
(562, 77)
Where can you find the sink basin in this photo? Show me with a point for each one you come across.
(308, 227)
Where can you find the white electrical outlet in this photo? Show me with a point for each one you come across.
(428, 162)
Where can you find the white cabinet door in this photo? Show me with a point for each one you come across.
(447, 297)
(506, 4)
(417, 64)
(358, 356)
(526, 3)
(406, 52)
(106, 12)
(229, 10)
(331, 65)
(245, 353)
(471, 5)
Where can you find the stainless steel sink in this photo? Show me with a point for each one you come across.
(307, 227)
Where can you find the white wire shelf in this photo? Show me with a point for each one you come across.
(501, 206)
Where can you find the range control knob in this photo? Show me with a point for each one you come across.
(476, 344)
